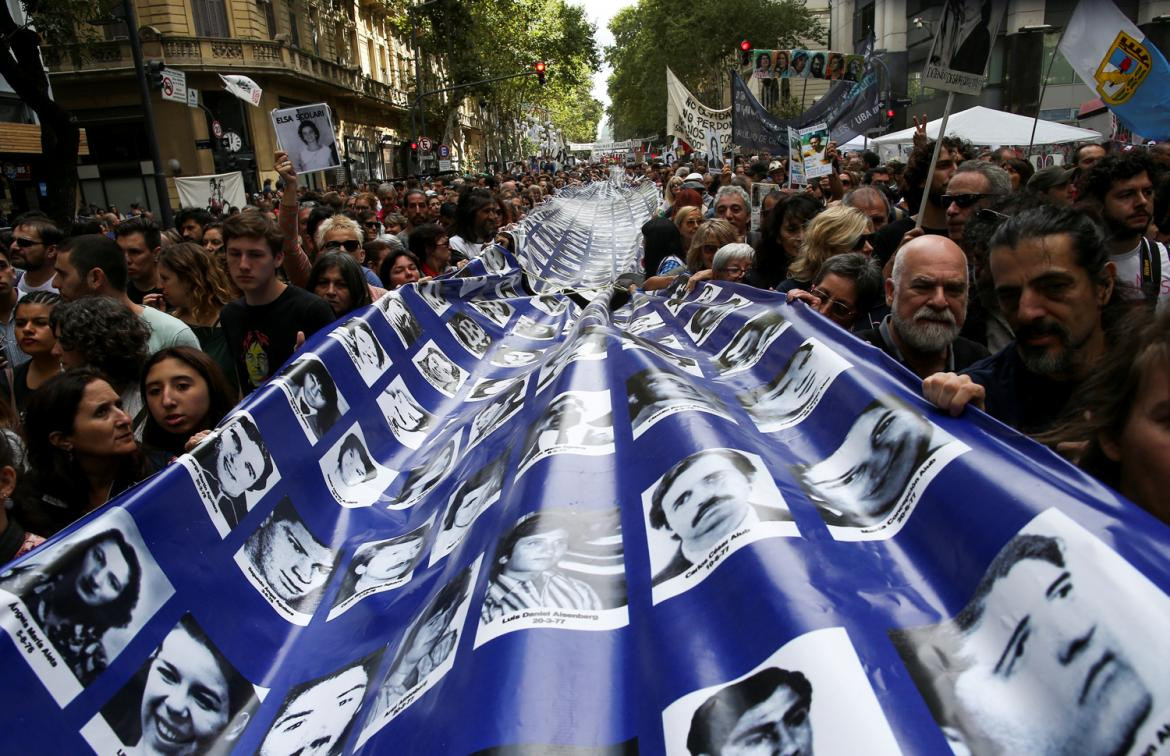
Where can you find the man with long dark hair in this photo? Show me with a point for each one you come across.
(477, 218)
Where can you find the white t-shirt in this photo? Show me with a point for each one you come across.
(1129, 270)
(167, 331)
(23, 288)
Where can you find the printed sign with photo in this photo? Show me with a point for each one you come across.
(814, 143)
(313, 396)
(380, 566)
(306, 134)
(232, 470)
(575, 422)
(796, 390)
(408, 421)
(963, 41)
(352, 475)
(364, 349)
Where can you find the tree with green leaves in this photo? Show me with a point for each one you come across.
(699, 41)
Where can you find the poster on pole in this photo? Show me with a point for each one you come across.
(795, 161)
(814, 142)
(306, 134)
(963, 41)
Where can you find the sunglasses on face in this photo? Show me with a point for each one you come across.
(991, 216)
(862, 241)
(963, 200)
(24, 243)
(370, 224)
(838, 308)
(349, 245)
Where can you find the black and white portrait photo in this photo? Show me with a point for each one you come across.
(868, 486)
(703, 320)
(494, 310)
(509, 356)
(528, 328)
(749, 343)
(552, 304)
(470, 498)
(74, 605)
(440, 460)
(317, 717)
(306, 134)
(493, 259)
(965, 34)
(655, 393)
(232, 470)
(401, 319)
(287, 564)
(364, 349)
(486, 388)
(185, 698)
(1058, 650)
(796, 390)
(426, 653)
(506, 289)
(682, 362)
(431, 292)
(706, 507)
(380, 566)
(556, 568)
(791, 703)
(313, 396)
(352, 475)
(495, 413)
(644, 323)
(408, 421)
(575, 422)
(439, 370)
(469, 334)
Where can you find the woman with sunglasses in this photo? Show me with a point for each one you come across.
(835, 231)
(338, 279)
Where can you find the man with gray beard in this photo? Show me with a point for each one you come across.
(927, 294)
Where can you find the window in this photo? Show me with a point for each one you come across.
(294, 32)
(269, 17)
(373, 61)
(863, 25)
(210, 18)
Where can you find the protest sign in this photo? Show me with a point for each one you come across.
(306, 134)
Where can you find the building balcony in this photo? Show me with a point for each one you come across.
(241, 56)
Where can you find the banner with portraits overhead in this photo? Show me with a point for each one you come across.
(807, 64)
(526, 521)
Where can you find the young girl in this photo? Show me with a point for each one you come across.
(185, 392)
(35, 337)
(196, 290)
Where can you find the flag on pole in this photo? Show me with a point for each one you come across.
(242, 87)
(1114, 58)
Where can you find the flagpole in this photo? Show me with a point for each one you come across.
(942, 132)
(1044, 87)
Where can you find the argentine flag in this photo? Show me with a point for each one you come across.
(1114, 58)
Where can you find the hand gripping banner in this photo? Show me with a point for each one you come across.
(530, 524)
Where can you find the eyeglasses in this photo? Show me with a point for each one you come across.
(838, 307)
(370, 224)
(862, 241)
(991, 216)
(349, 245)
(963, 200)
(734, 270)
(25, 243)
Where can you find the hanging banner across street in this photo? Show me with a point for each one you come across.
(215, 190)
(689, 120)
(544, 523)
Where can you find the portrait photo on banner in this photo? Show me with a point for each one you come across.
(704, 320)
(868, 487)
(286, 564)
(496, 412)
(186, 697)
(73, 606)
(312, 395)
(409, 423)
(474, 493)
(363, 348)
(441, 455)
(703, 509)
(352, 474)
(656, 393)
(380, 566)
(470, 334)
(574, 422)
(318, 716)
(794, 702)
(232, 470)
(747, 345)
(306, 134)
(556, 568)
(403, 322)
(796, 390)
(1057, 611)
(439, 370)
(426, 653)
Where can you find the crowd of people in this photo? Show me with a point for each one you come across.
(1037, 296)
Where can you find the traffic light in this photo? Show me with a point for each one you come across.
(154, 73)
(745, 53)
(540, 72)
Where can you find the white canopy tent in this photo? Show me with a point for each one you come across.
(984, 126)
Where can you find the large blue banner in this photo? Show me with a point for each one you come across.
(511, 521)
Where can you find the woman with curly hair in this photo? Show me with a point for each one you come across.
(835, 231)
(194, 290)
(780, 241)
(102, 333)
(81, 449)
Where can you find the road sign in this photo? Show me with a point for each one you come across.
(192, 98)
(174, 85)
(216, 129)
(444, 152)
(444, 165)
(425, 144)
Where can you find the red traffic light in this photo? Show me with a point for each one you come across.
(414, 145)
(745, 45)
(889, 113)
(540, 66)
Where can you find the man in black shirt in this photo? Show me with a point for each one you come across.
(1055, 284)
(272, 319)
(141, 242)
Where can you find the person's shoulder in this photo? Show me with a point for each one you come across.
(871, 336)
(968, 352)
(994, 367)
